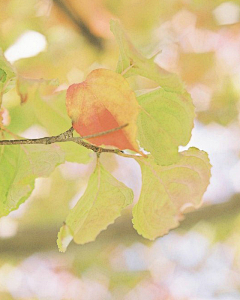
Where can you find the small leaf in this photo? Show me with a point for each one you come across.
(131, 62)
(101, 204)
(7, 74)
(3, 76)
(65, 237)
(167, 191)
(164, 123)
(76, 153)
(102, 102)
(28, 87)
(49, 112)
(19, 167)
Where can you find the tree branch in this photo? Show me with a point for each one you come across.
(96, 41)
(212, 213)
(31, 239)
(67, 136)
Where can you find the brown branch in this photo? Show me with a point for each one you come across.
(69, 12)
(67, 136)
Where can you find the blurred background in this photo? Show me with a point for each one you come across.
(66, 39)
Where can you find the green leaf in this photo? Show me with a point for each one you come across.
(19, 167)
(3, 76)
(51, 114)
(167, 191)
(48, 112)
(7, 74)
(76, 153)
(164, 123)
(65, 237)
(101, 204)
(41, 105)
(131, 62)
(28, 87)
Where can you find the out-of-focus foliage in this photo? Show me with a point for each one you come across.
(198, 40)
(102, 102)
(223, 108)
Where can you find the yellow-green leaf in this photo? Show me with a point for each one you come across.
(76, 153)
(164, 123)
(65, 237)
(167, 191)
(131, 62)
(48, 112)
(7, 74)
(3, 76)
(28, 87)
(19, 167)
(101, 204)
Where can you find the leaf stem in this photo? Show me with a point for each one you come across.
(127, 69)
(104, 132)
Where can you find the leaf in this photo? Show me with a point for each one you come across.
(167, 191)
(27, 87)
(19, 167)
(101, 204)
(76, 153)
(7, 75)
(131, 62)
(42, 106)
(65, 237)
(164, 123)
(48, 112)
(3, 76)
(102, 102)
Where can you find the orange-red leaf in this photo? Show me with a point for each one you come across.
(102, 102)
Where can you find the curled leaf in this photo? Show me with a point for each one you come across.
(65, 237)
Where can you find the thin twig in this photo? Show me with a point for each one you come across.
(4, 129)
(127, 69)
(103, 132)
(67, 136)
